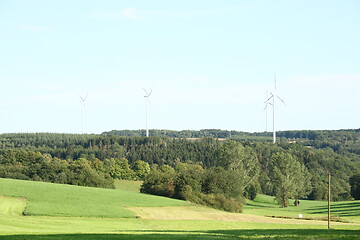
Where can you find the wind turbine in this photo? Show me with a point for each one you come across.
(267, 102)
(147, 103)
(272, 97)
(82, 101)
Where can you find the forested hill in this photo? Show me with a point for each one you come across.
(218, 133)
(214, 133)
(341, 141)
(98, 159)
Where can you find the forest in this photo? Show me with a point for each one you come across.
(212, 167)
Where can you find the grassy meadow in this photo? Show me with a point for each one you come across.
(36, 210)
(346, 211)
(47, 199)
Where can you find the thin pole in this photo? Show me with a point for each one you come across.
(82, 101)
(329, 196)
(82, 117)
(147, 130)
(266, 120)
(274, 132)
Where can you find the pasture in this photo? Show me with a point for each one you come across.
(54, 211)
(45, 199)
(346, 211)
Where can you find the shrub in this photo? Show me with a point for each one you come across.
(218, 201)
(160, 182)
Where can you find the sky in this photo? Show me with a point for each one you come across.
(210, 64)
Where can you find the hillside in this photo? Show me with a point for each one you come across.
(156, 217)
(18, 197)
(47, 199)
(98, 160)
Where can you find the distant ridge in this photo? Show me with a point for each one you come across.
(232, 134)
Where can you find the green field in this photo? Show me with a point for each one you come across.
(47, 199)
(54, 211)
(347, 211)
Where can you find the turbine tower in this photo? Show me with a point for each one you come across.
(147, 106)
(267, 102)
(272, 97)
(82, 101)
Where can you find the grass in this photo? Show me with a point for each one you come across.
(12, 206)
(347, 211)
(102, 228)
(106, 214)
(73, 201)
(128, 185)
(222, 234)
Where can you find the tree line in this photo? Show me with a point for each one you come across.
(36, 166)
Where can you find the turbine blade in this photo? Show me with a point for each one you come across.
(265, 108)
(275, 80)
(147, 94)
(280, 99)
(266, 104)
(272, 95)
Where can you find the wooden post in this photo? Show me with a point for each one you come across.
(329, 196)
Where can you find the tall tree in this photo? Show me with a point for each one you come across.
(141, 169)
(303, 185)
(290, 178)
(243, 160)
(355, 186)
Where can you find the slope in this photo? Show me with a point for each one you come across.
(47, 199)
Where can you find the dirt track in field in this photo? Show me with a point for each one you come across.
(202, 213)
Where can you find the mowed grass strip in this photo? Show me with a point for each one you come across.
(48, 199)
(12, 206)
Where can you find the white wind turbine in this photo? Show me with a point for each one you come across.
(82, 101)
(147, 106)
(267, 102)
(272, 97)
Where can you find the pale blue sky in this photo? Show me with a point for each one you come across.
(209, 63)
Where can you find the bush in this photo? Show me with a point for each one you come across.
(218, 201)
(160, 182)
(251, 191)
(355, 186)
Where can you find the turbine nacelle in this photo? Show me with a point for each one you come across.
(147, 94)
(83, 99)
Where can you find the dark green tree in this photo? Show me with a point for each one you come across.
(188, 179)
(160, 181)
(290, 178)
(217, 180)
(242, 160)
(355, 186)
(141, 169)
